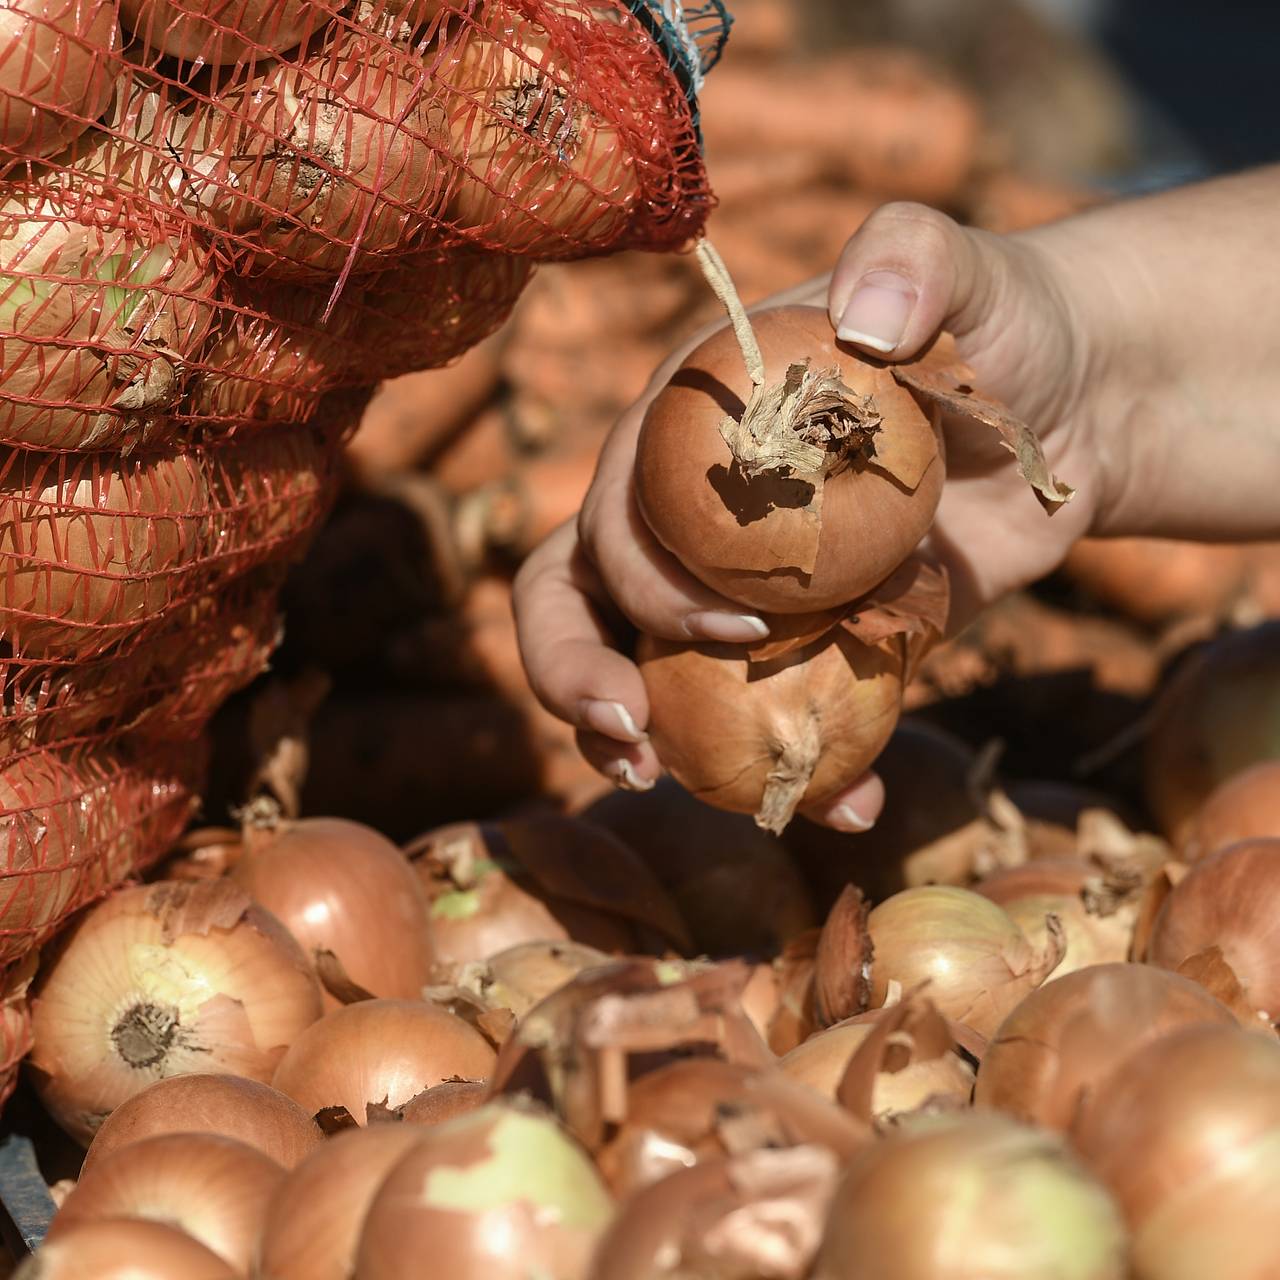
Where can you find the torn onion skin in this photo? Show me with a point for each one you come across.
(777, 530)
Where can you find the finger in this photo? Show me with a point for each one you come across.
(629, 766)
(646, 582)
(854, 809)
(568, 653)
(909, 271)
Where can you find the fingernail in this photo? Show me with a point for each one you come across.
(878, 311)
(728, 628)
(625, 778)
(613, 720)
(846, 818)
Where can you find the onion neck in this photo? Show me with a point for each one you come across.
(145, 1033)
(788, 780)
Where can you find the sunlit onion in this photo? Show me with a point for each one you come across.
(499, 1194)
(314, 1219)
(345, 893)
(1186, 1135)
(161, 980)
(977, 962)
(125, 1249)
(445, 1101)
(971, 1195)
(1061, 1044)
(1244, 807)
(228, 1105)
(216, 1189)
(379, 1053)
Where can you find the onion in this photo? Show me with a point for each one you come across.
(215, 33)
(125, 1249)
(544, 167)
(923, 833)
(379, 1054)
(1225, 903)
(970, 1195)
(1097, 918)
(520, 976)
(318, 162)
(539, 879)
(771, 528)
(314, 1219)
(230, 1106)
(445, 1101)
(767, 737)
(977, 962)
(348, 895)
(101, 309)
(915, 1062)
(1186, 1135)
(216, 1189)
(60, 67)
(160, 980)
(1244, 807)
(734, 884)
(1060, 1045)
(1218, 715)
(502, 1192)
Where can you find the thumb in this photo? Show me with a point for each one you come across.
(909, 271)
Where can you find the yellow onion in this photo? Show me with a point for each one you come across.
(160, 980)
(213, 32)
(1219, 714)
(1061, 1044)
(977, 962)
(230, 1106)
(444, 1101)
(1186, 1134)
(318, 162)
(216, 1189)
(1244, 807)
(101, 308)
(768, 737)
(125, 1249)
(734, 884)
(501, 1193)
(543, 168)
(313, 1220)
(349, 897)
(542, 878)
(1225, 904)
(518, 977)
(971, 1197)
(61, 61)
(766, 513)
(378, 1054)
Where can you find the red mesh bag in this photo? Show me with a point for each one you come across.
(96, 549)
(73, 824)
(15, 1021)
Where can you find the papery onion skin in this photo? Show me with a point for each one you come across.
(314, 1219)
(978, 963)
(59, 70)
(160, 980)
(216, 1189)
(233, 1106)
(1228, 901)
(125, 1249)
(971, 1197)
(518, 977)
(213, 33)
(379, 1052)
(1061, 1043)
(752, 540)
(1245, 807)
(500, 1194)
(766, 738)
(1186, 1136)
(340, 887)
(445, 1102)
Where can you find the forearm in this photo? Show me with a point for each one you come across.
(1178, 296)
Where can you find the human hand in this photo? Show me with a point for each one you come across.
(908, 272)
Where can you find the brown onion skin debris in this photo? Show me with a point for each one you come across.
(716, 524)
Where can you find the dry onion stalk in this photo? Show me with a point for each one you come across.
(160, 980)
